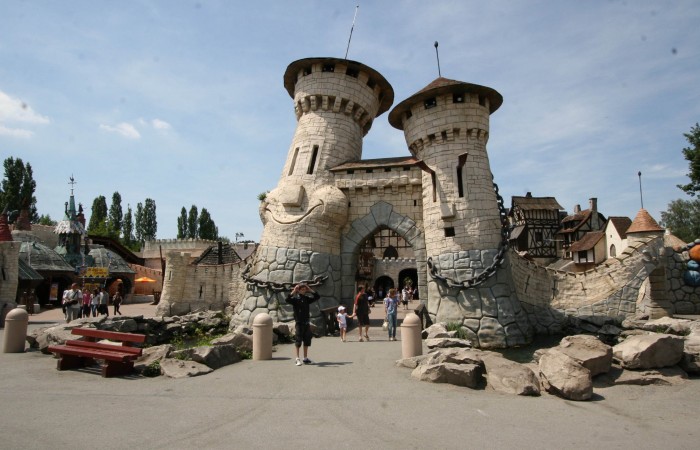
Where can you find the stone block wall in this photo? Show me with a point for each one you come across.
(683, 299)
(190, 288)
(9, 275)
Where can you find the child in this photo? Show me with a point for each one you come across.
(342, 322)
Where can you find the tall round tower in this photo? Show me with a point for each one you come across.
(335, 102)
(446, 126)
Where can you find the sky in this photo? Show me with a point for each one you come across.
(183, 101)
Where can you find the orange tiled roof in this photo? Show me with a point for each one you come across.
(643, 222)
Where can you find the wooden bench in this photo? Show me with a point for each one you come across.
(118, 359)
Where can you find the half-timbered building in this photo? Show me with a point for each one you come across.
(535, 222)
(576, 225)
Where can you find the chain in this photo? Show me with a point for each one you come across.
(279, 287)
(497, 261)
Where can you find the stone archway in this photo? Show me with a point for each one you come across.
(381, 215)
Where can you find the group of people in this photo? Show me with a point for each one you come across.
(79, 303)
(302, 296)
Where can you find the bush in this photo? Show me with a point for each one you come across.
(152, 370)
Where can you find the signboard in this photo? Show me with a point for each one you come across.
(366, 265)
(96, 272)
(53, 292)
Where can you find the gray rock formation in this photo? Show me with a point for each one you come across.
(510, 377)
(216, 356)
(651, 351)
(176, 368)
(467, 375)
(588, 351)
(564, 376)
(151, 355)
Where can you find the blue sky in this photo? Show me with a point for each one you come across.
(183, 102)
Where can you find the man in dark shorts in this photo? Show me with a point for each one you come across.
(300, 298)
(361, 311)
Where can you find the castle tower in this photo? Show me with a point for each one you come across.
(446, 127)
(335, 102)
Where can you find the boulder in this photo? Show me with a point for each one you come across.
(564, 376)
(649, 351)
(125, 325)
(455, 356)
(437, 330)
(447, 342)
(242, 342)
(467, 375)
(216, 356)
(588, 351)
(691, 354)
(666, 376)
(176, 368)
(412, 362)
(56, 335)
(510, 377)
(667, 325)
(151, 355)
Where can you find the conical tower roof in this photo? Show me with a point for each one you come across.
(443, 85)
(643, 223)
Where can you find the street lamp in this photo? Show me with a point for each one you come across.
(238, 235)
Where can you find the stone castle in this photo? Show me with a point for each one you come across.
(442, 201)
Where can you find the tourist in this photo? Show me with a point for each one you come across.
(117, 301)
(87, 299)
(72, 302)
(95, 302)
(405, 296)
(342, 322)
(104, 300)
(361, 311)
(391, 305)
(300, 298)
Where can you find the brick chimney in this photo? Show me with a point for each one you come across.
(595, 220)
(577, 209)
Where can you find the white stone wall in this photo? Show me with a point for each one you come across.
(9, 274)
(612, 237)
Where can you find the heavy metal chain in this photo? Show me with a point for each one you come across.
(490, 270)
(279, 287)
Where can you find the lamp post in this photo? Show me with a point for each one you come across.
(238, 235)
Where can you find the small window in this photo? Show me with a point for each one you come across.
(369, 170)
(613, 251)
(443, 135)
(371, 83)
(458, 98)
(387, 169)
(409, 114)
(430, 103)
(583, 256)
(294, 161)
(307, 71)
(352, 72)
(349, 204)
(482, 100)
(460, 183)
(312, 164)
(391, 252)
(450, 232)
(538, 236)
(350, 171)
(415, 202)
(406, 168)
(328, 68)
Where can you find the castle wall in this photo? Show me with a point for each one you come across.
(9, 275)
(682, 298)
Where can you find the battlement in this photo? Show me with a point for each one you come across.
(448, 135)
(338, 105)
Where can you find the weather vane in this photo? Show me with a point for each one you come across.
(438, 58)
(72, 183)
(351, 28)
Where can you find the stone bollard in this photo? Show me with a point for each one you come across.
(15, 331)
(262, 337)
(411, 342)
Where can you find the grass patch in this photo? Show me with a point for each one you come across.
(460, 331)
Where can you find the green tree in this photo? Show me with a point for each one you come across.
(182, 224)
(138, 222)
(17, 188)
(150, 224)
(128, 227)
(98, 217)
(692, 155)
(46, 220)
(116, 215)
(207, 228)
(683, 219)
(192, 223)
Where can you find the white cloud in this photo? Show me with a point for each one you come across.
(15, 132)
(125, 129)
(160, 124)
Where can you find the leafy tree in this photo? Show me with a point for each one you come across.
(98, 217)
(182, 224)
(46, 220)
(150, 224)
(692, 155)
(115, 215)
(192, 223)
(128, 228)
(207, 228)
(17, 188)
(138, 222)
(683, 219)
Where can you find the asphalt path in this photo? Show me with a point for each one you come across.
(353, 396)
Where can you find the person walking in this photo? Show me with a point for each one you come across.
(405, 296)
(361, 311)
(104, 301)
(117, 301)
(87, 299)
(391, 305)
(342, 322)
(95, 302)
(72, 302)
(300, 298)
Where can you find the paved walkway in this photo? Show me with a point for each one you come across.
(352, 397)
